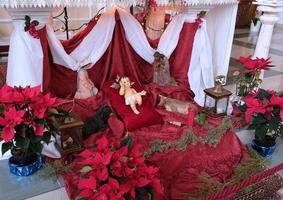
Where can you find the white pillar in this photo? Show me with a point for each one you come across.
(268, 20)
(25, 61)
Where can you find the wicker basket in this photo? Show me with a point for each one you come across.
(264, 190)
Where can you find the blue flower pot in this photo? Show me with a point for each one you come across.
(263, 151)
(27, 170)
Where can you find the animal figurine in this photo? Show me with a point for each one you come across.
(98, 122)
(175, 105)
(132, 97)
(85, 87)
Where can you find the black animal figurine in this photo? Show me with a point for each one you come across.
(98, 122)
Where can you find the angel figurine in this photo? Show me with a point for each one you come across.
(132, 97)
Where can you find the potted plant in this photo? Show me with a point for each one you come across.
(114, 171)
(248, 80)
(25, 124)
(255, 22)
(264, 114)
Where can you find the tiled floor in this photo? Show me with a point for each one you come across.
(244, 44)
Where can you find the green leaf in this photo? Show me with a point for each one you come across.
(37, 147)
(263, 94)
(22, 142)
(86, 169)
(260, 132)
(41, 121)
(150, 190)
(127, 141)
(280, 94)
(46, 137)
(242, 108)
(274, 123)
(35, 139)
(6, 146)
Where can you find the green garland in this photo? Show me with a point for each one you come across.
(244, 169)
(212, 138)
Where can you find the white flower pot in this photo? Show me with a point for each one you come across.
(255, 28)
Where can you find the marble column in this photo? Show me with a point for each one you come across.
(268, 20)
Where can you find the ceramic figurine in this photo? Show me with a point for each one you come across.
(85, 87)
(132, 97)
(219, 82)
(161, 70)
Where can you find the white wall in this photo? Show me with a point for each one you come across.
(281, 18)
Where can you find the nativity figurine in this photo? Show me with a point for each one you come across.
(132, 97)
(85, 87)
(161, 70)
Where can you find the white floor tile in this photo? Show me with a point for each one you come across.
(59, 194)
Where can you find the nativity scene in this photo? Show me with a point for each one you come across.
(121, 110)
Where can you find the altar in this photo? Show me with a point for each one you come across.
(115, 46)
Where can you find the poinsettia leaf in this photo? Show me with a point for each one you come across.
(280, 94)
(54, 128)
(260, 132)
(263, 94)
(46, 137)
(35, 139)
(37, 147)
(128, 141)
(274, 123)
(41, 121)
(22, 142)
(6, 147)
(242, 108)
(149, 189)
(86, 169)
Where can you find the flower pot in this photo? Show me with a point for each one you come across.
(254, 28)
(262, 150)
(26, 170)
(24, 163)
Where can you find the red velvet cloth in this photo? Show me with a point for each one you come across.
(147, 117)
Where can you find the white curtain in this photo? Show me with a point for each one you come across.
(25, 58)
(200, 72)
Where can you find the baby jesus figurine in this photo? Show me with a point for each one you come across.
(132, 97)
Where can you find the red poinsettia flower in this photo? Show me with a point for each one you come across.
(31, 92)
(10, 95)
(11, 118)
(254, 106)
(252, 64)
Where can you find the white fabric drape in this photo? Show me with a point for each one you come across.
(25, 58)
(58, 52)
(94, 45)
(200, 72)
(170, 37)
(136, 36)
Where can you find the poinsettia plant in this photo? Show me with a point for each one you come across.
(248, 80)
(25, 118)
(264, 114)
(113, 172)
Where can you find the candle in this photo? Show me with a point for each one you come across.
(202, 117)
(191, 117)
